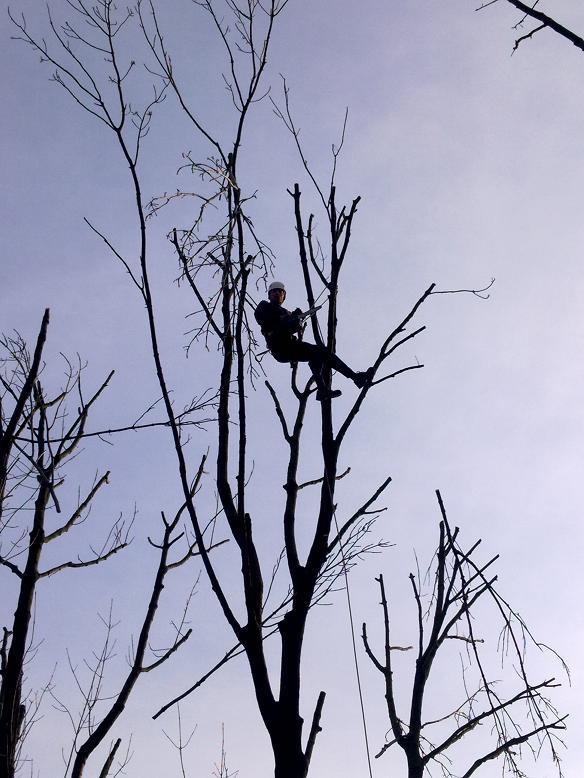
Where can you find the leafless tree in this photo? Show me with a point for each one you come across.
(451, 613)
(544, 21)
(181, 741)
(38, 437)
(217, 260)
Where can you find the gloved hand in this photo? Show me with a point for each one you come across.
(296, 319)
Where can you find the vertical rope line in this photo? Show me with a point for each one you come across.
(352, 625)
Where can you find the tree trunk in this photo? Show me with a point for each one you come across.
(11, 707)
(415, 765)
(290, 760)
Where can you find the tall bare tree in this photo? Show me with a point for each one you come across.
(450, 613)
(38, 437)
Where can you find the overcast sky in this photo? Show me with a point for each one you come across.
(471, 167)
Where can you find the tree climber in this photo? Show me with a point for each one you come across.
(280, 328)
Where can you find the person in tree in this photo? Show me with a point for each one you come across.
(280, 328)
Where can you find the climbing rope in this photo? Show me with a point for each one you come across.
(352, 625)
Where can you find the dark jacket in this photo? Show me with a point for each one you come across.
(278, 324)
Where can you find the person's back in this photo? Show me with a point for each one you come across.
(277, 323)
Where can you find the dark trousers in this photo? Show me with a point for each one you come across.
(317, 357)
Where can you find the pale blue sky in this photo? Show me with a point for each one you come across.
(470, 164)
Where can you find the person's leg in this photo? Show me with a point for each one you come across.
(360, 379)
(308, 352)
(317, 357)
(336, 363)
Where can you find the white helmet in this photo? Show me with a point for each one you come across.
(276, 285)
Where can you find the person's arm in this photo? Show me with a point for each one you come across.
(276, 320)
(292, 322)
(263, 314)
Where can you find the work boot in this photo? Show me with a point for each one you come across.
(323, 394)
(362, 379)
